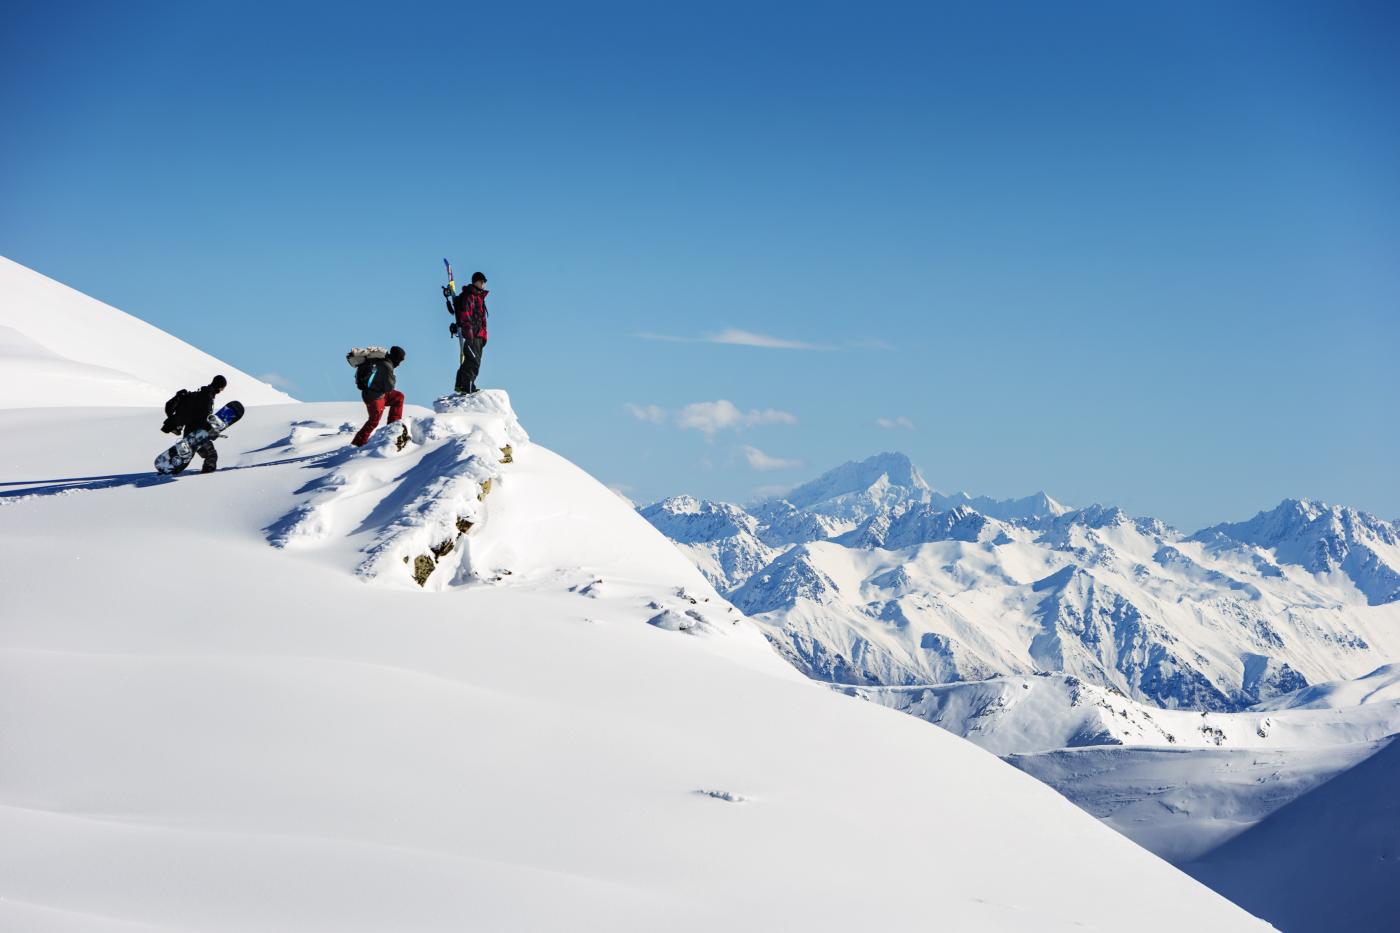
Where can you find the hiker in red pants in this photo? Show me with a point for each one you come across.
(375, 380)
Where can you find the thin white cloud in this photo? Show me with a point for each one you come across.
(710, 417)
(652, 413)
(895, 423)
(870, 343)
(762, 461)
(747, 338)
(278, 381)
(667, 337)
(735, 337)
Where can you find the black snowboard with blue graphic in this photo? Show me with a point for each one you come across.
(179, 455)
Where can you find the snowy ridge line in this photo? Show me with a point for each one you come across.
(60, 348)
(453, 481)
(1041, 713)
(421, 514)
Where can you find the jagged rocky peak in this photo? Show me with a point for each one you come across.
(784, 524)
(791, 577)
(923, 524)
(1028, 508)
(1075, 529)
(1323, 539)
(1295, 518)
(1099, 516)
(689, 520)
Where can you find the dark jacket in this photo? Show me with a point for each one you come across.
(374, 379)
(192, 411)
(470, 309)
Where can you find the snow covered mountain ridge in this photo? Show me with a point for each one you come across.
(1324, 540)
(867, 576)
(58, 347)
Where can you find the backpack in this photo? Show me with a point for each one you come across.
(364, 373)
(177, 411)
(176, 404)
(358, 356)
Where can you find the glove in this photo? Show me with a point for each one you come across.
(452, 329)
(447, 291)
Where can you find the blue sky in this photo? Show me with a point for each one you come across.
(1146, 254)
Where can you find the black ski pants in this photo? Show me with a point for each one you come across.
(470, 364)
(206, 451)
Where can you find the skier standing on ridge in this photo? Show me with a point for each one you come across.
(374, 377)
(469, 327)
(188, 411)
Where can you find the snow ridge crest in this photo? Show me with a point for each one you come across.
(430, 477)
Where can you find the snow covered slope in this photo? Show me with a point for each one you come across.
(1330, 860)
(333, 689)
(1178, 783)
(1380, 686)
(871, 578)
(58, 347)
(721, 539)
(1184, 803)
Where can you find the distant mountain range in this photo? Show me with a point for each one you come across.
(866, 576)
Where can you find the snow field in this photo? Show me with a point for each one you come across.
(208, 732)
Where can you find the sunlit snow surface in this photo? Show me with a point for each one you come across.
(208, 724)
(58, 347)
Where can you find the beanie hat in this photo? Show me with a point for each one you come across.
(396, 354)
(478, 276)
(219, 383)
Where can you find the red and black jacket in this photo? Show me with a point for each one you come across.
(470, 309)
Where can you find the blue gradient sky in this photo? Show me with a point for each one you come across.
(1146, 254)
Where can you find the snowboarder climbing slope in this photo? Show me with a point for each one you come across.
(188, 411)
(374, 377)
